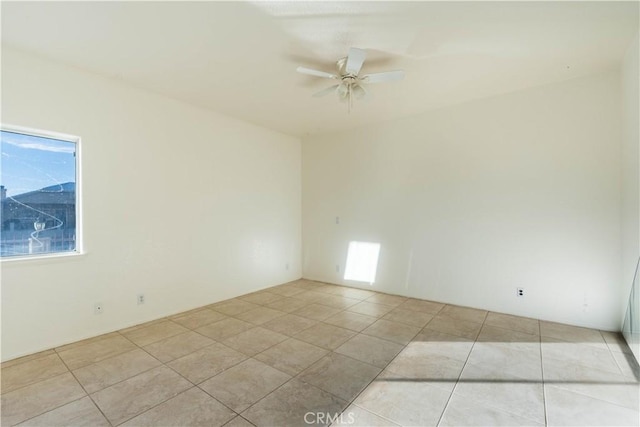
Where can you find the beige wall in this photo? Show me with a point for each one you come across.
(630, 180)
(472, 201)
(184, 205)
(468, 202)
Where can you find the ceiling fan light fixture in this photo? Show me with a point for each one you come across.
(359, 92)
(343, 90)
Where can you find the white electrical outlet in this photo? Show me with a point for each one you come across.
(337, 220)
(98, 308)
(286, 266)
(520, 292)
(140, 299)
(337, 268)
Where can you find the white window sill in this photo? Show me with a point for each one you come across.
(42, 258)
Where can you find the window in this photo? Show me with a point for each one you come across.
(39, 193)
(362, 262)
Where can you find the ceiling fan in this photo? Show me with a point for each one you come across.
(351, 83)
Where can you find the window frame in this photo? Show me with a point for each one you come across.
(78, 250)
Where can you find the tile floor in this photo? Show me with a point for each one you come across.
(309, 353)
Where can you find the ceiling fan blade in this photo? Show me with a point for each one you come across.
(355, 60)
(316, 73)
(388, 76)
(326, 91)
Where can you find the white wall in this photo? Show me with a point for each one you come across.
(470, 202)
(630, 179)
(182, 204)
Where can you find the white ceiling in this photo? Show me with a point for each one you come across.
(239, 58)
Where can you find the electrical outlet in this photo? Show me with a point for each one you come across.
(337, 220)
(520, 292)
(337, 268)
(286, 266)
(140, 299)
(98, 308)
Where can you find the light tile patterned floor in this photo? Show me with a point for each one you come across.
(309, 353)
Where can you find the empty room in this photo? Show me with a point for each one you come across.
(320, 213)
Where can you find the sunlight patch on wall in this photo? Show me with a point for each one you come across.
(362, 262)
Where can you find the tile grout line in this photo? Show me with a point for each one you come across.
(29, 357)
(330, 352)
(462, 370)
(535, 382)
(381, 372)
(58, 407)
(288, 337)
(296, 377)
(588, 367)
(238, 416)
(172, 397)
(38, 381)
(352, 401)
(236, 364)
(342, 310)
(270, 393)
(374, 413)
(544, 388)
(163, 364)
(194, 385)
(578, 392)
(631, 360)
(85, 390)
(117, 382)
(214, 398)
(611, 353)
(126, 379)
(166, 318)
